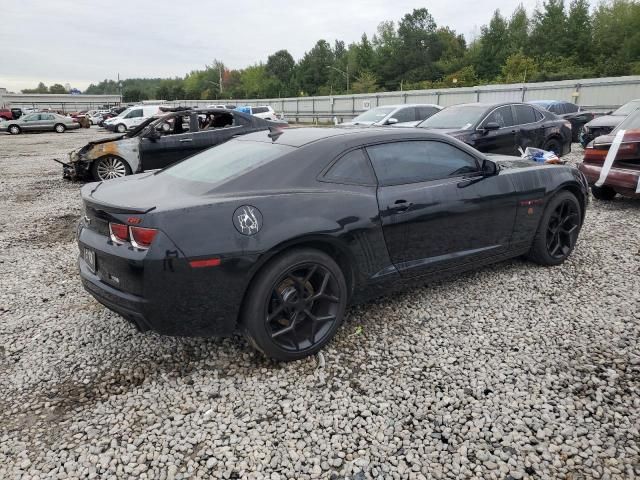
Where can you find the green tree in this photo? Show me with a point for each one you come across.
(518, 30)
(366, 82)
(549, 33)
(41, 88)
(493, 47)
(420, 46)
(57, 89)
(313, 71)
(518, 68)
(133, 95)
(579, 32)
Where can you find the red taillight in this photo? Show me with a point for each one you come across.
(209, 262)
(142, 237)
(119, 232)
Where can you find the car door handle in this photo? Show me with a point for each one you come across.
(400, 206)
(185, 140)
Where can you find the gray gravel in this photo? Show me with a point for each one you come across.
(514, 371)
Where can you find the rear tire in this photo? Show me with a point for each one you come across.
(59, 128)
(558, 230)
(15, 130)
(603, 193)
(295, 305)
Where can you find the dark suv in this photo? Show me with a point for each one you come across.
(568, 111)
(503, 127)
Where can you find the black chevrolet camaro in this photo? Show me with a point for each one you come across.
(273, 234)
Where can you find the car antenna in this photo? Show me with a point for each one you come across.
(274, 132)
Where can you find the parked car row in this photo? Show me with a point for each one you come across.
(39, 122)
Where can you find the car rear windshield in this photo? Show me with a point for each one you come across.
(455, 117)
(627, 108)
(227, 161)
(374, 115)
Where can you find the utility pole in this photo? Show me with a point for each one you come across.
(220, 71)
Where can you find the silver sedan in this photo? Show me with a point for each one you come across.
(39, 122)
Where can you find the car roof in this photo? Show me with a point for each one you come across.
(401, 105)
(547, 102)
(298, 137)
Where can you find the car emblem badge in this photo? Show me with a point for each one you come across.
(247, 220)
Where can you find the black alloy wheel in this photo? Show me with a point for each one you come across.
(295, 305)
(558, 230)
(562, 229)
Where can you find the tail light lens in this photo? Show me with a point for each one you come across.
(138, 236)
(142, 237)
(119, 232)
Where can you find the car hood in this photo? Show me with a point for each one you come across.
(507, 161)
(606, 121)
(454, 132)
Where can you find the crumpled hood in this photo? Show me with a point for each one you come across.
(606, 121)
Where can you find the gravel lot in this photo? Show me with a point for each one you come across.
(514, 371)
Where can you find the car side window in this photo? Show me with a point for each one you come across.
(405, 115)
(502, 116)
(47, 117)
(419, 161)
(570, 108)
(135, 113)
(524, 114)
(539, 115)
(425, 112)
(352, 167)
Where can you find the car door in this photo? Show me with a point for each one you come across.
(502, 140)
(529, 126)
(47, 121)
(32, 122)
(438, 210)
(166, 147)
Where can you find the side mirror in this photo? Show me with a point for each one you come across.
(490, 126)
(392, 121)
(489, 168)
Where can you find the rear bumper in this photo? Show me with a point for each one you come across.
(158, 290)
(624, 181)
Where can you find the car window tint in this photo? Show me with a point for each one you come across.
(353, 167)
(539, 115)
(419, 161)
(524, 114)
(425, 112)
(48, 117)
(259, 110)
(135, 113)
(405, 115)
(502, 116)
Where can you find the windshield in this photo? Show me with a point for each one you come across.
(136, 131)
(627, 108)
(461, 118)
(632, 122)
(374, 115)
(224, 162)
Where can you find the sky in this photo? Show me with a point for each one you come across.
(86, 41)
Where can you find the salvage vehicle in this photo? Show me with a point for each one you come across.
(569, 111)
(39, 122)
(406, 115)
(131, 118)
(273, 234)
(605, 124)
(623, 175)
(159, 142)
(503, 127)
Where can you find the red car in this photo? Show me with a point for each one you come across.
(624, 175)
(10, 113)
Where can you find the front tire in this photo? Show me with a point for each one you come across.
(553, 145)
(558, 230)
(603, 193)
(15, 130)
(108, 168)
(121, 128)
(295, 305)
